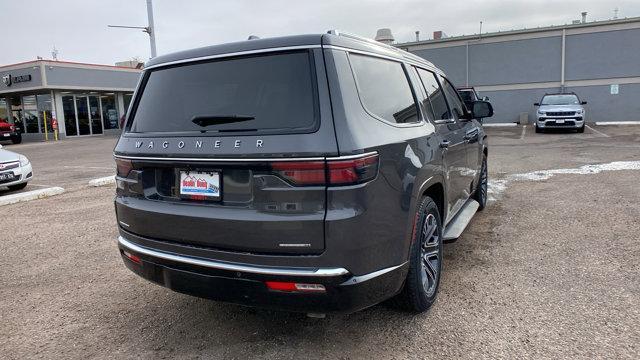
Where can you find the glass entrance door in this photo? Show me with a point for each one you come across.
(82, 112)
(95, 115)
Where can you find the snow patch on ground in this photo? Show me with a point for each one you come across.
(495, 188)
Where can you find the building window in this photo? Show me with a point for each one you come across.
(127, 100)
(44, 111)
(4, 111)
(69, 109)
(109, 111)
(384, 89)
(30, 114)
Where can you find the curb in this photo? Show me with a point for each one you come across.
(107, 180)
(30, 195)
(605, 123)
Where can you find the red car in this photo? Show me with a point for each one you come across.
(9, 132)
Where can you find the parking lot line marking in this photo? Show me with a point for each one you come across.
(90, 167)
(596, 131)
(500, 125)
(524, 130)
(601, 123)
(107, 180)
(30, 195)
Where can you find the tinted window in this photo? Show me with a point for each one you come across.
(434, 93)
(384, 89)
(452, 95)
(560, 100)
(467, 96)
(260, 93)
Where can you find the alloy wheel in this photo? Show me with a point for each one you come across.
(483, 182)
(430, 254)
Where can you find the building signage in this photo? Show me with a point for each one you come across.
(7, 79)
(615, 89)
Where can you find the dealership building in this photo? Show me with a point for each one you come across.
(84, 99)
(599, 61)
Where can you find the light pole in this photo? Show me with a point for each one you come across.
(150, 29)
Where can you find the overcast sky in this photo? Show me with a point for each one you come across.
(78, 28)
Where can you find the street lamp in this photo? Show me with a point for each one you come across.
(150, 29)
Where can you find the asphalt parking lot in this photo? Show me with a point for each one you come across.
(548, 269)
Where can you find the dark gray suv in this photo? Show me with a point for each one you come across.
(313, 173)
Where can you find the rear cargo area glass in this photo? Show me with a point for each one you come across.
(270, 93)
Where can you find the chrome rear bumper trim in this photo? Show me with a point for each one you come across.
(318, 272)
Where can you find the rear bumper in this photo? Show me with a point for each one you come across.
(244, 284)
(8, 135)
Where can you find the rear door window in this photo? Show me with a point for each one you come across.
(384, 89)
(453, 97)
(436, 96)
(273, 93)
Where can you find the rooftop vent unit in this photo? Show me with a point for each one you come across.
(253, 37)
(384, 36)
(575, 22)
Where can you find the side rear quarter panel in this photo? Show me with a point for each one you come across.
(380, 215)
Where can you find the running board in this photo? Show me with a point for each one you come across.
(457, 225)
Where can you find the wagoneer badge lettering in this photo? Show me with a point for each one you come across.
(198, 144)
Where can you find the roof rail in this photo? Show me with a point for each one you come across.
(401, 52)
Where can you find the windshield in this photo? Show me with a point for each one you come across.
(273, 92)
(568, 99)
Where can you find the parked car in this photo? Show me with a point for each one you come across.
(560, 111)
(9, 131)
(15, 170)
(314, 173)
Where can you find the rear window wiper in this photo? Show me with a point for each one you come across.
(208, 120)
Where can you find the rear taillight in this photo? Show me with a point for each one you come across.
(351, 171)
(123, 167)
(301, 173)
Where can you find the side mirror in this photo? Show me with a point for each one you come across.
(583, 103)
(482, 109)
(536, 104)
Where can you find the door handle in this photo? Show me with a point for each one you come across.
(444, 144)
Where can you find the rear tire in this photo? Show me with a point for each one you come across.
(16, 139)
(17, 187)
(425, 260)
(480, 195)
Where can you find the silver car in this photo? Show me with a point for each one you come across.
(560, 111)
(15, 170)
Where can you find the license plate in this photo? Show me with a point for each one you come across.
(6, 176)
(6, 135)
(559, 121)
(200, 185)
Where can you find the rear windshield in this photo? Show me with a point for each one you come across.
(266, 93)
